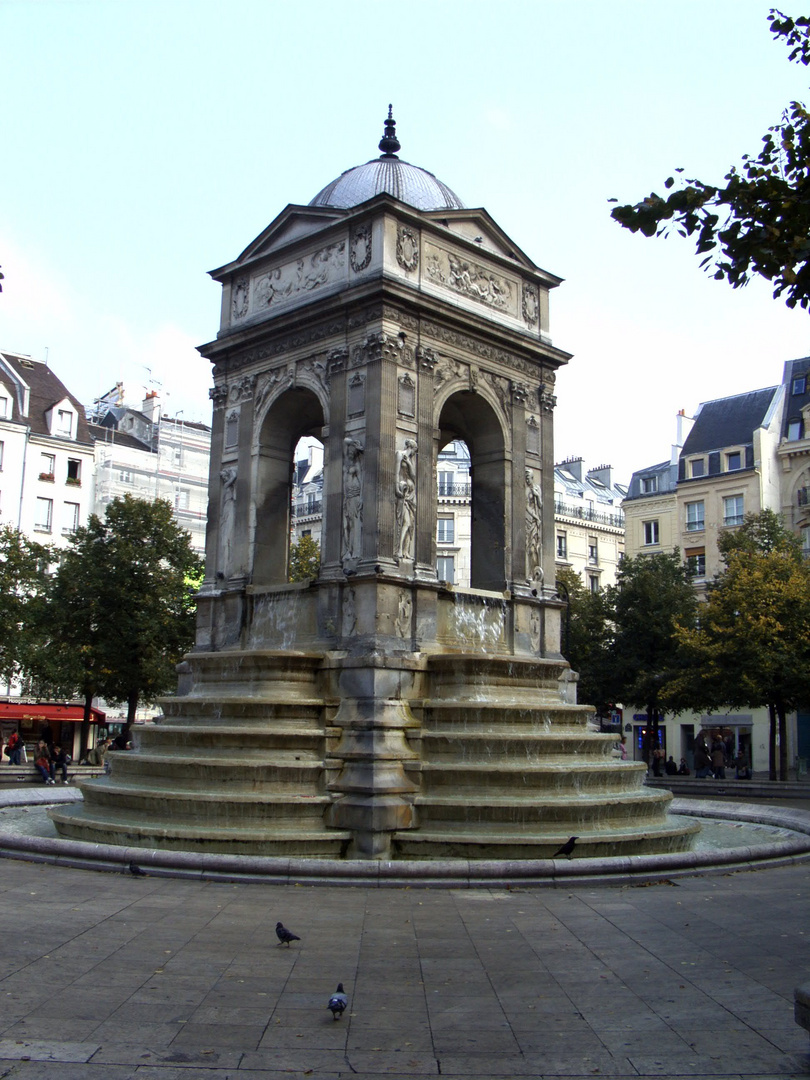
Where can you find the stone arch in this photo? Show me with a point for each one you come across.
(295, 413)
(470, 417)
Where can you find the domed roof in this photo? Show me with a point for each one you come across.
(408, 183)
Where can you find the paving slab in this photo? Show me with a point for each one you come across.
(113, 976)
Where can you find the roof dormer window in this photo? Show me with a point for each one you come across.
(64, 422)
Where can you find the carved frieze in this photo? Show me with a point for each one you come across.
(407, 248)
(360, 247)
(481, 349)
(303, 275)
(479, 282)
(382, 346)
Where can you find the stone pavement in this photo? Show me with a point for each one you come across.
(113, 976)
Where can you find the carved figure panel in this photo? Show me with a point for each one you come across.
(360, 248)
(405, 496)
(227, 519)
(534, 528)
(357, 395)
(407, 248)
(284, 282)
(462, 275)
(240, 298)
(271, 383)
(406, 396)
(531, 304)
(352, 498)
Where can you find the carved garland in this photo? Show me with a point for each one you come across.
(360, 248)
(407, 248)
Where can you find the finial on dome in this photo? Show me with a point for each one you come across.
(389, 143)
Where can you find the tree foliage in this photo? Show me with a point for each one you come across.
(585, 639)
(758, 221)
(23, 585)
(121, 616)
(752, 647)
(305, 559)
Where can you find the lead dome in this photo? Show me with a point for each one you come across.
(389, 175)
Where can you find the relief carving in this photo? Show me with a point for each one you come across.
(520, 393)
(317, 371)
(227, 519)
(534, 528)
(357, 395)
(243, 389)
(426, 358)
(531, 304)
(360, 248)
(532, 436)
(337, 360)
(469, 278)
(240, 298)
(405, 495)
(271, 383)
(219, 396)
(407, 248)
(406, 396)
(402, 623)
(352, 499)
(284, 282)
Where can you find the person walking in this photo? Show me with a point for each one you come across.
(719, 759)
(703, 758)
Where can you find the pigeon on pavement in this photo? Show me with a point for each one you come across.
(338, 1002)
(285, 936)
(567, 849)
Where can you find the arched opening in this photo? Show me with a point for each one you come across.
(453, 516)
(468, 418)
(296, 414)
(306, 525)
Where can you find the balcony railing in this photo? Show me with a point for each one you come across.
(586, 513)
(308, 510)
(454, 491)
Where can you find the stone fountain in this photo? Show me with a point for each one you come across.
(378, 712)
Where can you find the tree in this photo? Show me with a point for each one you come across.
(585, 640)
(758, 222)
(121, 612)
(23, 583)
(752, 647)
(305, 559)
(653, 597)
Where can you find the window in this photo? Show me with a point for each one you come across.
(125, 476)
(698, 467)
(445, 483)
(562, 546)
(795, 430)
(64, 422)
(446, 569)
(697, 564)
(650, 532)
(447, 530)
(799, 384)
(181, 499)
(733, 461)
(593, 551)
(649, 485)
(695, 516)
(806, 541)
(593, 583)
(47, 466)
(2, 444)
(3, 407)
(70, 518)
(43, 515)
(74, 471)
(733, 511)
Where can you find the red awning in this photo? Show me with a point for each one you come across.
(26, 710)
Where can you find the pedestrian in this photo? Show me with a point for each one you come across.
(703, 758)
(42, 762)
(683, 768)
(60, 760)
(670, 768)
(742, 766)
(657, 757)
(719, 759)
(15, 748)
(623, 747)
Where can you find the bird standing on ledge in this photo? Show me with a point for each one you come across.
(567, 849)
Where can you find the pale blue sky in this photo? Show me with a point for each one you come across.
(144, 143)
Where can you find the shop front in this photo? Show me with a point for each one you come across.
(57, 723)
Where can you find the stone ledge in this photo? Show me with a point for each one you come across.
(801, 1005)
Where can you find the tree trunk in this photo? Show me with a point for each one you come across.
(771, 741)
(783, 742)
(132, 708)
(84, 740)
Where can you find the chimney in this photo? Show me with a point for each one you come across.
(151, 406)
(602, 473)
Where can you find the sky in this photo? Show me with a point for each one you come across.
(145, 142)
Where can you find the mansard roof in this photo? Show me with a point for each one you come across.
(730, 421)
(45, 392)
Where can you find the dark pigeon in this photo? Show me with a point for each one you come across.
(285, 936)
(338, 1002)
(567, 849)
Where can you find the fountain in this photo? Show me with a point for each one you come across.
(377, 713)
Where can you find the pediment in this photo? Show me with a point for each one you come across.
(293, 223)
(477, 226)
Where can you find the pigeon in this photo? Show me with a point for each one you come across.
(135, 870)
(567, 849)
(285, 936)
(338, 1002)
